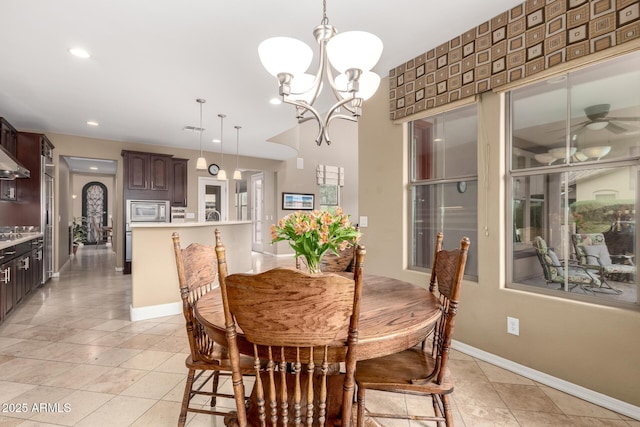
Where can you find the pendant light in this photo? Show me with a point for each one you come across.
(222, 174)
(201, 163)
(237, 175)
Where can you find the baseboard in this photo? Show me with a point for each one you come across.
(153, 311)
(553, 382)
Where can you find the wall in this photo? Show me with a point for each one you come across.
(343, 151)
(618, 182)
(585, 344)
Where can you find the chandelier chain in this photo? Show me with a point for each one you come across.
(325, 20)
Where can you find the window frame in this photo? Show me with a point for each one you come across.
(413, 183)
(545, 170)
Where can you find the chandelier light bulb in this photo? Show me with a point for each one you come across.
(354, 49)
(285, 55)
(368, 85)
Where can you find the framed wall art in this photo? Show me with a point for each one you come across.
(297, 201)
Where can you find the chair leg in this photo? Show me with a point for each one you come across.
(187, 397)
(216, 379)
(448, 416)
(360, 419)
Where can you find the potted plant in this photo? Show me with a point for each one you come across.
(78, 232)
(312, 234)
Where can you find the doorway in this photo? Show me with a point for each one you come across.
(257, 209)
(212, 200)
(94, 209)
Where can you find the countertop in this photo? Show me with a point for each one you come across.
(25, 238)
(185, 224)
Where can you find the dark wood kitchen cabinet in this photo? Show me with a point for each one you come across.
(179, 182)
(147, 171)
(20, 273)
(8, 140)
(7, 288)
(27, 209)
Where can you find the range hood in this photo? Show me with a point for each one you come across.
(10, 168)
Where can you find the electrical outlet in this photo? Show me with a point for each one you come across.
(513, 326)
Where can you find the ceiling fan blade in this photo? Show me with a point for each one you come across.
(616, 128)
(581, 124)
(624, 119)
(580, 128)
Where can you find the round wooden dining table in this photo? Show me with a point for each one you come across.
(394, 315)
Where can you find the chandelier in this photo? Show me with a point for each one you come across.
(352, 54)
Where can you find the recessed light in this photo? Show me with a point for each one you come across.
(215, 141)
(275, 101)
(92, 123)
(79, 52)
(93, 168)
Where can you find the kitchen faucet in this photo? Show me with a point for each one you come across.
(214, 215)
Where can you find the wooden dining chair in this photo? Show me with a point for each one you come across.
(290, 319)
(207, 361)
(422, 370)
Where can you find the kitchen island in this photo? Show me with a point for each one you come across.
(154, 280)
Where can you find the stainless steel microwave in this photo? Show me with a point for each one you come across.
(147, 211)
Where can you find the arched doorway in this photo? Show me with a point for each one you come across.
(94, 209)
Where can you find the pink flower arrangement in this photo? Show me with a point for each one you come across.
(312, 234)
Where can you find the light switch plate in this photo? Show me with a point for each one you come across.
(364, 221)
(513, 326)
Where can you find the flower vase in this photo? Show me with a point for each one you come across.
(313, 264)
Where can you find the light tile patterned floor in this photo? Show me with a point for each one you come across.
(70, 356)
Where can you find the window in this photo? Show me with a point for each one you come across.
(329, 197)
(574, 157)
(330, 179)
(444, 184)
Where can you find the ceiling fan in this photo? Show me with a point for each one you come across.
(599, 119)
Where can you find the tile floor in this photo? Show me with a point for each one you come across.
(70, 356)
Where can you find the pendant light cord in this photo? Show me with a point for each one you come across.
(222, 116)
(237, 144)
(200, 101)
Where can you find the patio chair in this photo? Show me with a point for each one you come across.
(592, 253)
(554, 270)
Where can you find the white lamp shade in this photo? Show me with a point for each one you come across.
(368, 82)
(354, 49)
(201, 164)
(301, 89)
(597, 125)
(237, 175)
(285, 55)
(222, 175)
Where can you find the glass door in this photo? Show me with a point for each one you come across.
(257, 209)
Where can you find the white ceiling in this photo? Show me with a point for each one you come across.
(151, 59)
